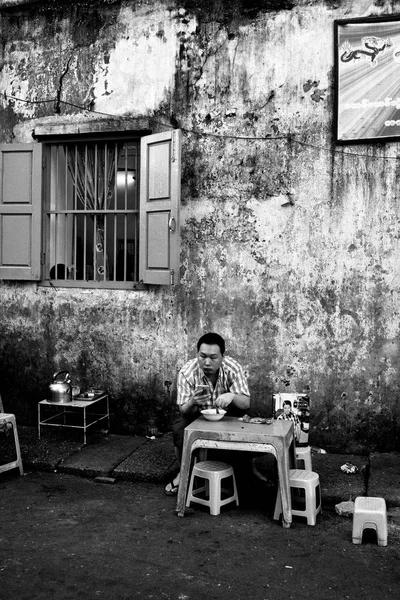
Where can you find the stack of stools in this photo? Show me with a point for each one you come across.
(306, 495)
(213, 473)
(303, 458)
(370, 513)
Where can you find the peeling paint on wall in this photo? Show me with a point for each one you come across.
(289, 244)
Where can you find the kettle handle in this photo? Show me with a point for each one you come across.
(60, 373)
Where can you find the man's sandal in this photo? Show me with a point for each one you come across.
(171, 489)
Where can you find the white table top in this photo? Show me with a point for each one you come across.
(232, 428)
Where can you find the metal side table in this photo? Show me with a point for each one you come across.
(81, 413)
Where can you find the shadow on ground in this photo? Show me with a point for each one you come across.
(68, 537)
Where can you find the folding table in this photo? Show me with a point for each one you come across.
(276, 438)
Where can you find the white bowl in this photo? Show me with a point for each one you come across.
(212, 415)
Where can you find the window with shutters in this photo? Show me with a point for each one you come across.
(91, 213)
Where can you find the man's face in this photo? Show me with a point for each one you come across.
(209, 358)
(286, 409)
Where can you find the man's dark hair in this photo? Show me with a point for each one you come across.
(210, 339)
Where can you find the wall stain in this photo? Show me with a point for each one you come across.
(311, 285)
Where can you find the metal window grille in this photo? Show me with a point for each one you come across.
(92, 225)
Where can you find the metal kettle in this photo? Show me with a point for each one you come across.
(60, 389)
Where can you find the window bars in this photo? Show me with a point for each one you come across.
(92, 226)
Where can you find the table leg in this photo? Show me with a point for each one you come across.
(84, 425)
(292, 455)
(184, 475)
(17, 448)
(284, 487)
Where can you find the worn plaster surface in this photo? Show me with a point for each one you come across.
(289, 244)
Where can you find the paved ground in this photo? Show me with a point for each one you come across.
(67, 534)
(68, 537)
(133, 458)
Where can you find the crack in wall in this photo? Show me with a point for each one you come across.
(212, 52)
(57, 108)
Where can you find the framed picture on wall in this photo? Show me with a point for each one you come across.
(367, 66)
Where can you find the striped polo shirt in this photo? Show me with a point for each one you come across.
(231, 378)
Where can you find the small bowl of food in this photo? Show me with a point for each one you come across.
(213, 414)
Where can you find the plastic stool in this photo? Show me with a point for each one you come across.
(370, 513)
(9, 419)
(213, 472)
(309, 482)
(303, 458)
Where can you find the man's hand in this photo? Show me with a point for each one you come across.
(201, 395)
(224, 400)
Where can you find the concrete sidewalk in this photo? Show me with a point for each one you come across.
(116, 457)
(112, 458)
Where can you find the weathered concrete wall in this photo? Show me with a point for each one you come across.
(289, 245)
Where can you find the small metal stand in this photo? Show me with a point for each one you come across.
(81, 413)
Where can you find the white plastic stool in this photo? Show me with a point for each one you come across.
(370, 513)
(9, 419)
(309, 482)
(213, 472)
(303, 458)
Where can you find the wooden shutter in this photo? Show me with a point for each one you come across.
(160, 183)
(20, 210)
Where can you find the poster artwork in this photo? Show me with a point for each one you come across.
(367, 64)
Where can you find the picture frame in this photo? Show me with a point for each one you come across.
(367, 80)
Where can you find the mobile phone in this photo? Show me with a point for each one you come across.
(202, 390)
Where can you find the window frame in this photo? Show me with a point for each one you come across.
(78, 283)
(167, 205)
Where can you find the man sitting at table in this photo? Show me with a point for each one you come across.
(211, 379)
